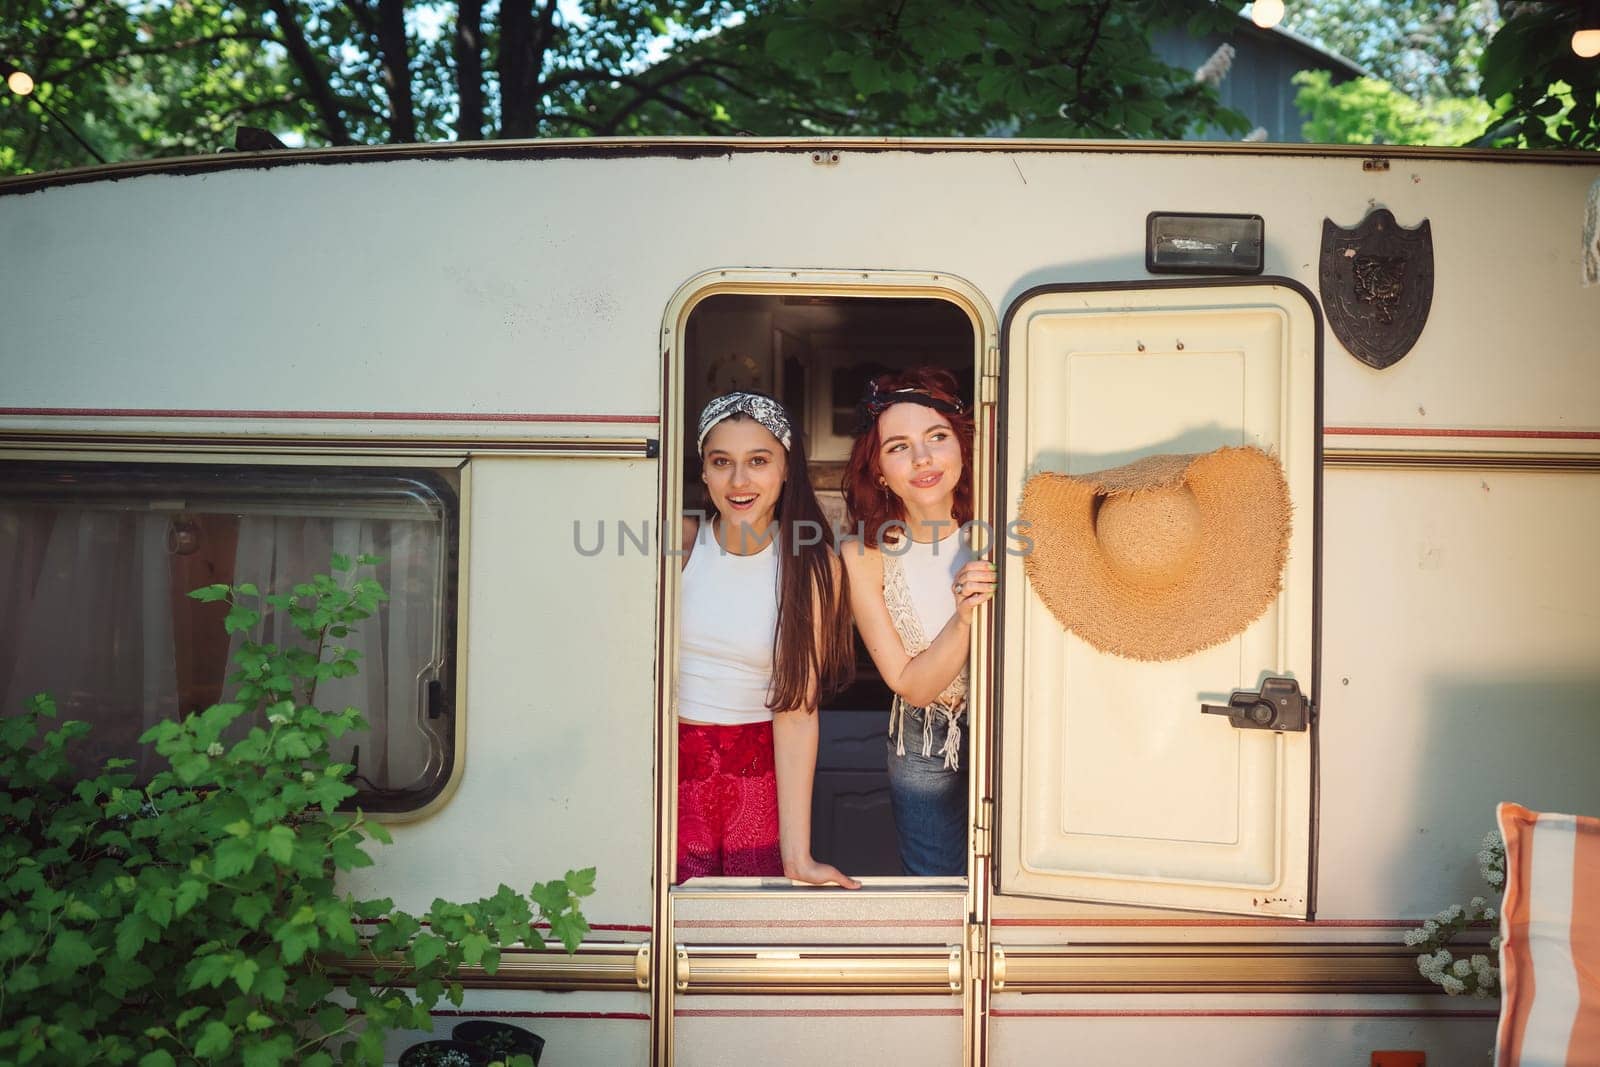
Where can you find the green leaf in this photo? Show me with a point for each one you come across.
(158, 1058)
(189, 1015)
(251, 909)
(133, 932)
(296, 941)
(570, 929)
(257, 1022)
(239, 619)
(71, 950)
(210, 594)
(427, 948)
(235, 856)
(247, 588)
(269, 1053)
(210, 971)
(280, 843)
(340, 562)
(473, 947)
(215, 1039)
(191, 891)
(244, 974)
(581, 883)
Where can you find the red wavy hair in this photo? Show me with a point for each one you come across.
(872, 507)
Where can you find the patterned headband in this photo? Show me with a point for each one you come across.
(765, 410)
(877, 401)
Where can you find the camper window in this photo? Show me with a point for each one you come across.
(816, 352)
(99, 557)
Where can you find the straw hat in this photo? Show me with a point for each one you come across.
(1162, 557)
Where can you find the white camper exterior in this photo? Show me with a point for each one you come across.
(526, 329)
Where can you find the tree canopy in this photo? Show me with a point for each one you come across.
(146, 78)
(143, 78)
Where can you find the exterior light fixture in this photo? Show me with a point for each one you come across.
(1196, 243)
(1586, 38)
(1266, 13)
(18, 81)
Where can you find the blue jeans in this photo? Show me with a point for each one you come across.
(929, 800)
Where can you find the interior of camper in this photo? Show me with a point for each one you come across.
(816, 354)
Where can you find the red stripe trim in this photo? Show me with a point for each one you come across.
(814, 1013)
(454, 1013)
(1297, 924)
(714, 924)
(353, 416)
(1241, 1013)
(1415, 431)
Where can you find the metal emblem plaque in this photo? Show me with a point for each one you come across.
(1377, 285)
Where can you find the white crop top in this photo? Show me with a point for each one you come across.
(730, 614)
(930, 569)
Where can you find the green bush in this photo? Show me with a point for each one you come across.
(197, 919)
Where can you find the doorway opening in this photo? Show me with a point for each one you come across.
(816, 353)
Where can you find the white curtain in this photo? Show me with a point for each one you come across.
(401, 646)
(87, 603)
(88, 618)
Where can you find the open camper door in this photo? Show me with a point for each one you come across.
(1112, 785)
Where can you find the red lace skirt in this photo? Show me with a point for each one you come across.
(727, 801)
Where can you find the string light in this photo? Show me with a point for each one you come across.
(18, 81)
(1266, 13)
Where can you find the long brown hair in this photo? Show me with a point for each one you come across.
(872, 506)
(810, 660)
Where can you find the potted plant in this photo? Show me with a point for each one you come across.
(443, 1054)
(499, 1040)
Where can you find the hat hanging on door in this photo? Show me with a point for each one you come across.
(1164, 556)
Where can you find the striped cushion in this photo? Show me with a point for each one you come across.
(1550, 940)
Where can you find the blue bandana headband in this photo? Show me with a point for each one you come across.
(765, 410)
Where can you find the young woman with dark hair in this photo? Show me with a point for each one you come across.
(765, 632)
(914, 585)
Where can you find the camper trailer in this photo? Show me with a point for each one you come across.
(483, 363)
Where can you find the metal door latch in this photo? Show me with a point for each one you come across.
(1279, 706)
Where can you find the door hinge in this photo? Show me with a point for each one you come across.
(989, 377)
(983, 829)
(977, 960)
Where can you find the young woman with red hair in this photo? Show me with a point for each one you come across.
(913, 587)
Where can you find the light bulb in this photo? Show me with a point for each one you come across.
(1586, 43)
(19, 82)
(1266, 13)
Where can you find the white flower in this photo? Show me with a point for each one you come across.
(214, 748)
(1214, 69)
(1477, 902)
(1490, 913)
(1462, 968)
(1494, 942)
(1430, 927)
(1452, 984)
(1443, 957)
(1493, 877)
(1481, 993)
(1426, 965)
(1485, 858)
(1453, 912)
(307, 777)
(1480, 963)
(1415, 937)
